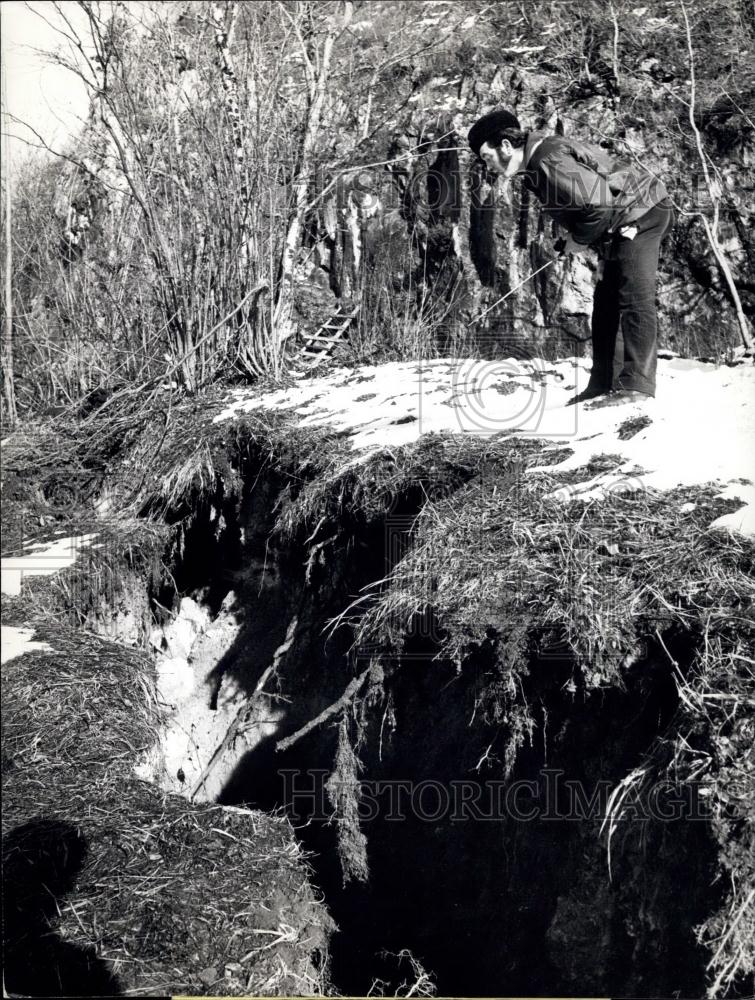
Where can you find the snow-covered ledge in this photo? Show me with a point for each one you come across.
(701, 429)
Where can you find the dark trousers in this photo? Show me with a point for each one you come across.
(625, 297)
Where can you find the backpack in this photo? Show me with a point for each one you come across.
(622, 181)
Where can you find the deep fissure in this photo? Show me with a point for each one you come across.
(491, 906)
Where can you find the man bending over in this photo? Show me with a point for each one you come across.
(620, 211)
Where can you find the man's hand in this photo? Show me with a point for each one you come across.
(567, 245)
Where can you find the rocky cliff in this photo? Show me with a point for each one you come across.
(429, 224)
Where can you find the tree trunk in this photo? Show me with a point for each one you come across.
(285, 293)
(9, 392)
(223, 37)
(711, 229)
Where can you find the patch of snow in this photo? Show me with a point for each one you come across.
(201, 705)
(17, 641)
(742, 520)
(521, 49)
(175, 678)
(174, 642)
(41, 559)
(179, 637)
(702, 426)
(192, 612)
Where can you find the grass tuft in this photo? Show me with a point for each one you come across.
(154, 895)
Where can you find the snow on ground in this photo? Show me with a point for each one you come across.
(702, 426)
(192, 755)
(41, 559)
(17, 641)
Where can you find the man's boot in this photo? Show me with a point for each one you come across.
(617, 397)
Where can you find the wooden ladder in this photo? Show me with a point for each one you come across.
(318, 346)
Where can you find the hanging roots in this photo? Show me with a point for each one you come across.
(344, 795)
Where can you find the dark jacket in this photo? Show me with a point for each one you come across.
(585, 189)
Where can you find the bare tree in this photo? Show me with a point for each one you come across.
(317, 61)
(9, 395)
(714, 192)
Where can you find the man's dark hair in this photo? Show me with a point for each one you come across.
(490, 128)
(515, 136)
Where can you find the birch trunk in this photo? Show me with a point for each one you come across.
(711, 229)
(9, 393)
(471, 195)
(229, 79)
(282, 317)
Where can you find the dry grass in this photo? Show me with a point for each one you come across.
(499, 551)
(174, 898)
(110, 586)
(497, 563)
(494, 562)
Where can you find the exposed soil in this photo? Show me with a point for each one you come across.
(487, 906)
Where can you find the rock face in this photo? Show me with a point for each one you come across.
(471, 246)
(442, 231)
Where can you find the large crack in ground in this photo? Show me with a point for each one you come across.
(491, 895)
(528, 652)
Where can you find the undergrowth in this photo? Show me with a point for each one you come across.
(501, 565)
(150, 894)
(492, 560)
